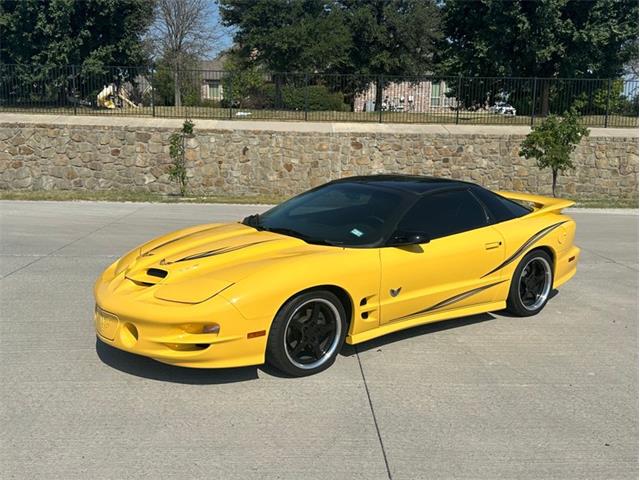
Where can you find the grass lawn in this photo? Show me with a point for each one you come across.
(124, 196)
(446, 117)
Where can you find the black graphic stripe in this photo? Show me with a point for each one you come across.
(150, 252)
(525, 246)
(219, 251)
(450, 301)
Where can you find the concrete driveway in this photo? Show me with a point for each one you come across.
(484, 397)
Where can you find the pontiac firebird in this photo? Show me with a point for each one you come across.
(348, 261)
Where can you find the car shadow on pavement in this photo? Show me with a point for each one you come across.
(350, 350)
(507, 313)
(147, 368)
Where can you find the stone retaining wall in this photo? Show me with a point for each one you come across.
(245, 160)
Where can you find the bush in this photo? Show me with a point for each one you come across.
(318, 98)
(314, 97)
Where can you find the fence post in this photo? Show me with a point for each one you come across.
(306, 95)
(381, 87)
(75, 90)
(606, 112)
(153, 94)
(458, 99)
(533, 100)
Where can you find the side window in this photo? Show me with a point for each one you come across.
(502, 209)
(441, 214)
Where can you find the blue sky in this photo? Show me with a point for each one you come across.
(226, 40)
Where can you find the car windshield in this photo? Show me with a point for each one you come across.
(340, 214)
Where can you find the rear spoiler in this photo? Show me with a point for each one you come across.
(541, 204)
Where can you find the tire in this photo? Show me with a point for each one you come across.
(307, 333)
(531, 284)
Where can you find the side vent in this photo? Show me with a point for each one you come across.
(156, 272)
(369, 309)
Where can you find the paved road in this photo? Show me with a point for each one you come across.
(485, 397)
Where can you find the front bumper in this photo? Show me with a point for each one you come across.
(131, 320)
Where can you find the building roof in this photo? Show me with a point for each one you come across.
(213, 69)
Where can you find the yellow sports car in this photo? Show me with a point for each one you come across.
(348, 261)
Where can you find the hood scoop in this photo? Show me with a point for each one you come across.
(147, 278)
(156, 272)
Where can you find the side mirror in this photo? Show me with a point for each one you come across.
(403, 239)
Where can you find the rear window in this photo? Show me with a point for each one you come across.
(502, 209)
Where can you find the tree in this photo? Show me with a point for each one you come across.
(544, 39)
(92, 33)
(181, 32)
(552, 142)
(391, 37)
(361, 37)
(289, 36)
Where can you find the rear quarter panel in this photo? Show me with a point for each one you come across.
(522, 232)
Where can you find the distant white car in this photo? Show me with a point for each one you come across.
(502, 108)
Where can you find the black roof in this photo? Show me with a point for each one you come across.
(407, 183)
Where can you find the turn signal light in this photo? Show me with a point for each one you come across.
(260, 333)
(213, 328)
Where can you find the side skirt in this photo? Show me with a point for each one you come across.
(423, 320)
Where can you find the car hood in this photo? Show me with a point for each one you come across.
(193, 265)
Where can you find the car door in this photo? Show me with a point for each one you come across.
(449, 271)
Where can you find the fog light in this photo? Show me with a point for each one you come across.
(213, 328)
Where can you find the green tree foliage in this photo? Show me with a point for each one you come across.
(242, 82)
(392, 37)
(552, 142)
(288, 36)
(364, 37)
(178, 168)
(43, 36)
(545, 39)
(91, 33)
(612, 99)
(189, 82)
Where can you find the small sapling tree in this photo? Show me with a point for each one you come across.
(552, 142)
(177, 143)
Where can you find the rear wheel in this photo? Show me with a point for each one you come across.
(531, 284)
(307, 333)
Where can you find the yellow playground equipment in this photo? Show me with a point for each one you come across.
(111, 97)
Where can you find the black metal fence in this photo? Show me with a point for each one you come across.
(162, 92)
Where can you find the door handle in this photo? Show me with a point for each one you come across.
(492, 245)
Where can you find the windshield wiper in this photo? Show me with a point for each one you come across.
(294, 233)
(253, 221)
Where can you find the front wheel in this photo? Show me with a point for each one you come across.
(307, 333)
(531, 284)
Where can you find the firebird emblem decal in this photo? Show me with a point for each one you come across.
(395, 291)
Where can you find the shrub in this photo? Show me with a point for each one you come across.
(178, 169)
(318, 98)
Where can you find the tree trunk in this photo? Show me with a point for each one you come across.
(544, 107)
(554, 181)
(379, 92)
(177, 98)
